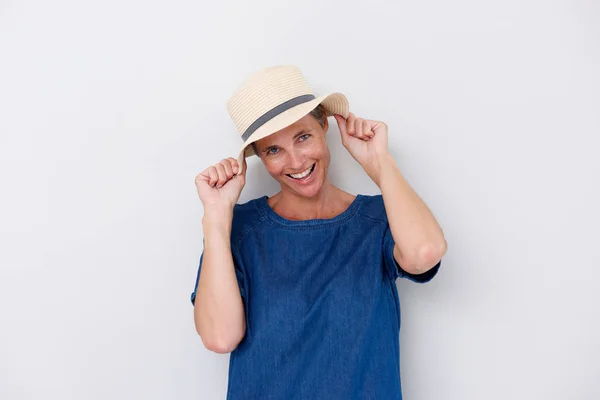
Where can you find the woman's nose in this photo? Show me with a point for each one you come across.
(295, 161)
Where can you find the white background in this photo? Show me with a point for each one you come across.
(109, 109)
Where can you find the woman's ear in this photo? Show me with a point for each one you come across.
(326, 124)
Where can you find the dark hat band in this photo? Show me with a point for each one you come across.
(275, 112)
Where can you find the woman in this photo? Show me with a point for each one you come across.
(300, 287)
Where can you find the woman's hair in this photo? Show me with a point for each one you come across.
(318, 113)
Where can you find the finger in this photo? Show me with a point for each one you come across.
(235, 168)
(201, 177)
(222, 175)
(368, 129)
(228, 170)
(342, 125)
(358, 127)
(214, 176)
(350, 128)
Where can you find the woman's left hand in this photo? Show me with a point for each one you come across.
(364, 139)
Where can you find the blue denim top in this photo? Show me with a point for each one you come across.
(321, 303)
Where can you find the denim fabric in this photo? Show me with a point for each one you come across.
(321, 303)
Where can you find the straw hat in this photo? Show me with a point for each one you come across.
(272, 99)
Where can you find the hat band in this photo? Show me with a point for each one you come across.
(275, 112)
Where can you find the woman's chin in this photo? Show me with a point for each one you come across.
(309, 191)
(306, 191)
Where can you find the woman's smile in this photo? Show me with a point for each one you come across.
(304, 177)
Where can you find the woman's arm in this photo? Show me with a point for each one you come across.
(419, 239)
(218, 309)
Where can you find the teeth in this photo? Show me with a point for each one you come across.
(301, 175)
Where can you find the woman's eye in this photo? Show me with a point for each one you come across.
(306, 135)
(270, 150)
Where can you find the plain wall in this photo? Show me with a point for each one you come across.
(108, 110)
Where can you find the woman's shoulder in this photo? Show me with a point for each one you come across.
(247, 208)
(372, 207)
(246, 217)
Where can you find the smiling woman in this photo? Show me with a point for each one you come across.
(287, 283)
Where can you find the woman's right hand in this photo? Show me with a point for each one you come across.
(221, 184)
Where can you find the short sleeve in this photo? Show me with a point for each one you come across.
(394, 270)
(238, 273)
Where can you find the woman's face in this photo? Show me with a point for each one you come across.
(297, 149)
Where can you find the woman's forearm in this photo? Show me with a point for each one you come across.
(218, 311)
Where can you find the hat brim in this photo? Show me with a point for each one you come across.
(334, 103)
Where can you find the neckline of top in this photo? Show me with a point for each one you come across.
(266, 209)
